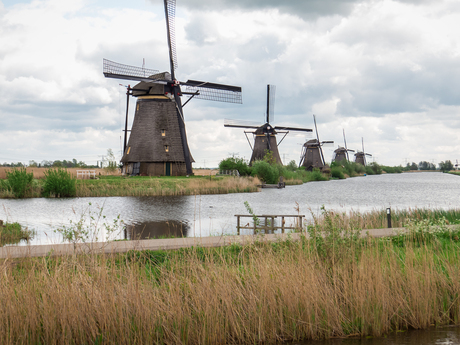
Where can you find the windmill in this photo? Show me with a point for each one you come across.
(265, 135)
(158, 142)
(312, 153)
(341, 153)
(360, 157)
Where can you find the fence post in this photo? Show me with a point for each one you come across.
(389, 217)
(238, 225)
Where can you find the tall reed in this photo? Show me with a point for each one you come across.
(239, 294)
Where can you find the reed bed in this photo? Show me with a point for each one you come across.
(377, 219)
(257, 293)
(165, 186)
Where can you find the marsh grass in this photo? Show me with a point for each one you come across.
(12, 233)
(283, 291)
(377, 219)
(160, 186)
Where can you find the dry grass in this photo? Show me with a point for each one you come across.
(252, 294)
(377, 219)
(166, 186)
(39, 173)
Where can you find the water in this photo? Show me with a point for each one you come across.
(448, 335)
(215, 214)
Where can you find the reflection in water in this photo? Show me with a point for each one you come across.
(164, 229)
(449, 335)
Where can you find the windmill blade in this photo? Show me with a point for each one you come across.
(350, 150)
(319, 142)
(271, 89)
(327, 143)
(292, 129)
(170, 13)
(345, 141)
(241, 124)
(119, 71)
(214, 92)
(368, 154)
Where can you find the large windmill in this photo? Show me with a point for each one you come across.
(265, 135)
(341, 153)
(360, 156)
(158, 142)
(312, 155)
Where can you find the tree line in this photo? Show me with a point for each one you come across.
(444, 166)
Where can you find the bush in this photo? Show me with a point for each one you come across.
(266, 172)
(375, 168)
(369, 170)
(316, 175)
(20, 181)
(233, 163)
(292, 166)
(59, 182)
(337, 172)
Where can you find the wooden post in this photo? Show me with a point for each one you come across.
(273, 225)
(238, 224)
(265, 226)
(282, 225)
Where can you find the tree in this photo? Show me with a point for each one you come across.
(235, 163)
(111, 161)
(414, 166)
(446, 166)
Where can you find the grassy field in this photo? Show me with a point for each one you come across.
(329, 286)
(149, 186)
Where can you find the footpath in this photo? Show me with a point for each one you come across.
(159, 244)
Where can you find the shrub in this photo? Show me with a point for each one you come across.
(59, 182)
(233, 163)
(292, 166)
(20, 181)
(369, 170)
(316, 175)
(337, 172)
(266, 172)
(375, 168)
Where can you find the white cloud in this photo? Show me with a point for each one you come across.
(386, 70)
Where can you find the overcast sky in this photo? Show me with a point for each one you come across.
(387, 71)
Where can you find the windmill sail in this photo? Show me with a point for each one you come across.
(158, 142)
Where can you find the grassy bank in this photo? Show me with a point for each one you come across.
(147, 186)
(12, 233)
(329, 286)
(377, 219)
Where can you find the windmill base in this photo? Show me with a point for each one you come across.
(154, 169)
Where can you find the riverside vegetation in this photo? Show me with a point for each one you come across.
(12, 233)
(60, 183)
(269, 172)
(333, 284)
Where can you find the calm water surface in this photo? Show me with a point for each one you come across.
(214, 214)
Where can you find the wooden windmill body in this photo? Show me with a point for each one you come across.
(360, 156)
(265, 135)
(312, 155)
(158, 142)
(341, 153)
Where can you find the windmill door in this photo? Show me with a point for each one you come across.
(168, 169)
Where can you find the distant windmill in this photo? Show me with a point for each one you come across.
(360, 157)
(265, 135)
(341, 153)
(312, 153)
(158, 142)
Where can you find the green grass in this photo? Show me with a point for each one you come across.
(12, 233)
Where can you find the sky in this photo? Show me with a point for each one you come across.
(387, 71)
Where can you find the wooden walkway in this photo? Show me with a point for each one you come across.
(159, 244)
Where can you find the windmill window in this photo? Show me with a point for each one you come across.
(166, 148)
(163, 133)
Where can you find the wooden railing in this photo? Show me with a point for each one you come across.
(269, 225)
